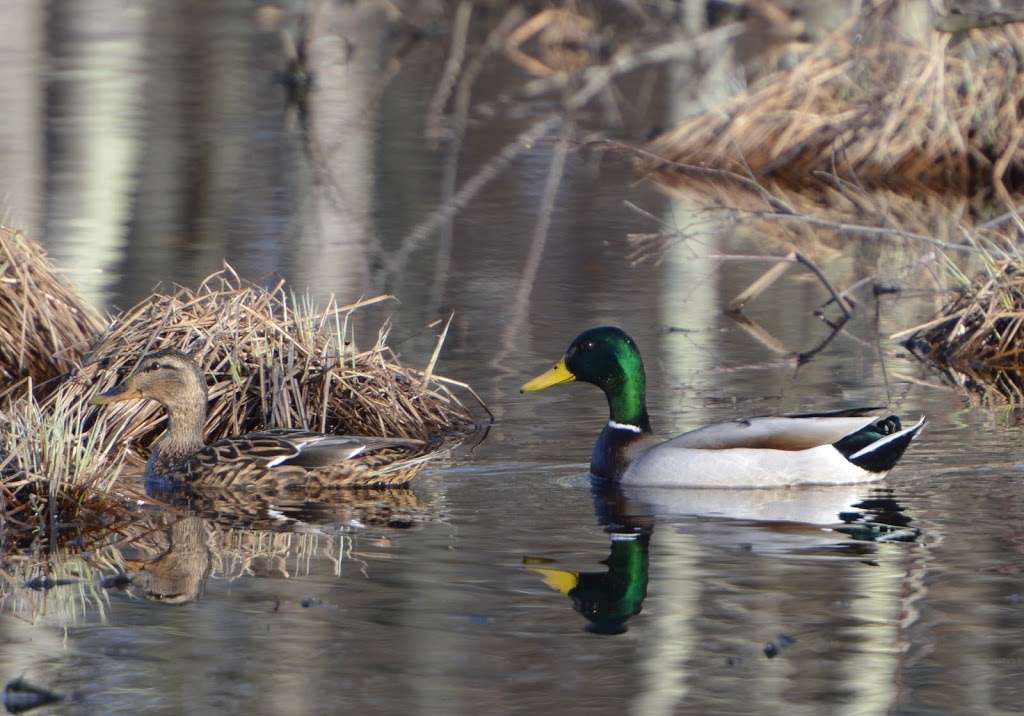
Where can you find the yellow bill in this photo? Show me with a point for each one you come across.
(558, 579)
(556, 376)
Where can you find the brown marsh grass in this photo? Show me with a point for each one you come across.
(45, 326)
(977, 336)
(944, 113)
(273, 360)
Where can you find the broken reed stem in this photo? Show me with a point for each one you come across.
(762, 284)
(978, 336)
(773, 274)
(855, 229)
(813, 268)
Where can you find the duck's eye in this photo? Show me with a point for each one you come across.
(588, 346)
(153, 366)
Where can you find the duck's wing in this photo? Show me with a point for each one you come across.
(775, 432)
(297, 448)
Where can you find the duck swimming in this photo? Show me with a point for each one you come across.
(277, 458)
(838, 447)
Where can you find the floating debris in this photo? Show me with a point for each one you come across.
(21, 696)
(774, 648)
(976, 337)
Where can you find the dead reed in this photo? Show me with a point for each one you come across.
(944, 113)
(45, 326)
(56, 471)
(273, 360)
(977, 336)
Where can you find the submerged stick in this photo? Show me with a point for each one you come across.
(762, 284)
(773, 274)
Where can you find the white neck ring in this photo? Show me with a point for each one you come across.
(623, 426)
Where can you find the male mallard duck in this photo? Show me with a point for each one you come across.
(275, 458)
(843, 446)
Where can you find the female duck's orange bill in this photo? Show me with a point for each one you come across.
(122, 391)
(556, 376)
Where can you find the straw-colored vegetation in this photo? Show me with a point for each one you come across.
(977, 336)
(45, 326)
(56, 471)
(273, 360)
(872, 109)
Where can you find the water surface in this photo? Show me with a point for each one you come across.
(151, 141)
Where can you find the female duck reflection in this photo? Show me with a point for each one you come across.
(763, 523)
(170, 555)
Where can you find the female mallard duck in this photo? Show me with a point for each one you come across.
(843, 446)
(271, 458)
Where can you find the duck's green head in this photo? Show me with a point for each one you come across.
(608, 358)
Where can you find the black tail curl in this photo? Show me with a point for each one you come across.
(879, 446)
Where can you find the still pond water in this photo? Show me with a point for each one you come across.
(147, 142)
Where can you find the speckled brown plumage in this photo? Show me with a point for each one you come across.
(267, 460)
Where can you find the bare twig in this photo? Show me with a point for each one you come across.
(595, 79)
(460, 28)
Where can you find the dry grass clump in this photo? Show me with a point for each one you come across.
(273, 361)
(56, 471)
(886, 112)
(977, 336)
(45, 326)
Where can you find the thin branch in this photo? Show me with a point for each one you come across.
(877, 231)
(595, 80)
(460, 30)
(813, 268)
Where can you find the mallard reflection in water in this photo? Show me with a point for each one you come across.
(608, 599)
(233, 534)
(178, 574)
